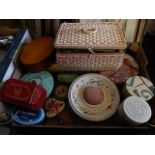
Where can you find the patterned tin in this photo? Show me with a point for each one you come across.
(139, 86)
(44, 78)
(129, 68)
(24, 94)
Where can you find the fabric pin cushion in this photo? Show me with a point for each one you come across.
(93, 97)
(53, 107)
(44, 78)
(27, 117)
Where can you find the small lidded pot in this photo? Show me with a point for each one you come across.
(134, 111)
(139, 86)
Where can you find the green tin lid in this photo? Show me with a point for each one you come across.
(44, 78)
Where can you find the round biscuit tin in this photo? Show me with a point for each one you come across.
(134, 111)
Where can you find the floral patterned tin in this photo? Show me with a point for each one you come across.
(129, 68)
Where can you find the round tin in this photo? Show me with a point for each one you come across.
(53, 107)
(44, 78)
(61, 92)
(35, 56)
(139, 86)
(27, 117)
(135, 110)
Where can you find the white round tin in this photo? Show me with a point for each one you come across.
(135, 110)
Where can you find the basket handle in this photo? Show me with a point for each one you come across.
(89, 30)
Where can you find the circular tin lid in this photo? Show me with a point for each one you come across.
(27, 117)
(141, 87)
(98, 112)
(137, 109)
(44, 78)
(128, 69)
(36, 51)
(53, 107)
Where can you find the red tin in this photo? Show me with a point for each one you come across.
(25, 94)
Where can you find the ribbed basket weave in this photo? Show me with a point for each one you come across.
(91, 40)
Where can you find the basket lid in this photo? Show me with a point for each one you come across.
(103, 35)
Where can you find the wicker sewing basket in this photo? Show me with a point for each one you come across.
(90, 46)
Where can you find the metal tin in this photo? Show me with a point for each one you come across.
(44, 78)
(27, 117)
(139, 86)
(23, 94)
(129, 69)
(35, 55)
(134, 111)
(53, 107)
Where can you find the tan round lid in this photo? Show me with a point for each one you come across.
(36, 51)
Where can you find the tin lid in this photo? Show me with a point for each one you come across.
(27, 116)
(44, 78)
(103, 35)
(140, 86)
(36, 51)
(137, 109)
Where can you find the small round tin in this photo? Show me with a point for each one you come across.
(61, 92)
(53, 107)
(134, 111)
(44, 78)
(27, 117)
(139, 86)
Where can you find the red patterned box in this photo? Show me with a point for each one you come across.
(23, 94)
(99, 46)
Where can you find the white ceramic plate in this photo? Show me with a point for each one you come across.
(99, 112)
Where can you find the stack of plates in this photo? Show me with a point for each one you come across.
(98, 112)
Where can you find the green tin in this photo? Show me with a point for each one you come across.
(66, 77)
(44, 78)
